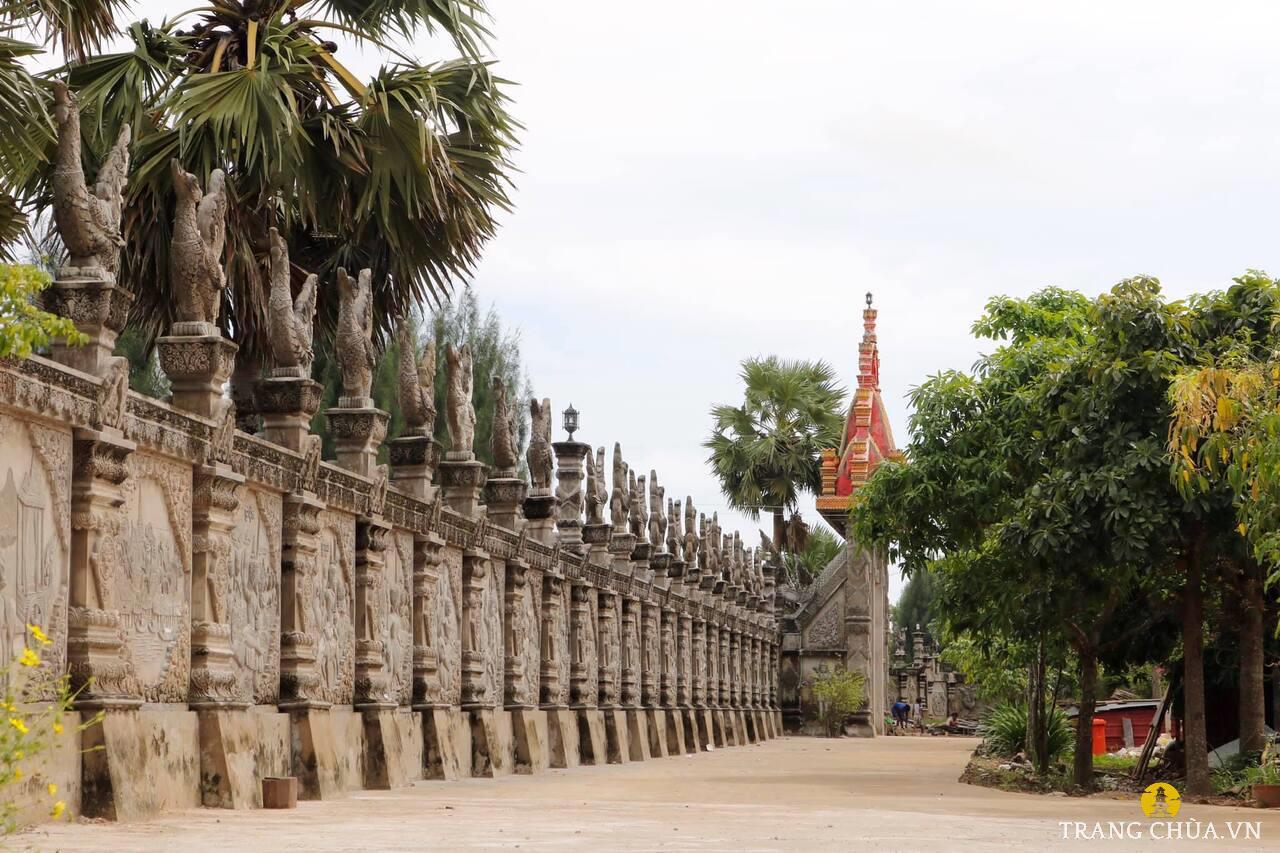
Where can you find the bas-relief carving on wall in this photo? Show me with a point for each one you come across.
(826, 630)
(397, 606)
(491, 622)
(531, 608)
(35, 531)
(563, 656)
(254, 612)
(331, 607)
(153, 591)
(446, 625)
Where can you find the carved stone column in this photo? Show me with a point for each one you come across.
(554, 623)
(735, 669)
(213, 676)
(413, 458)
(95, 636)
(198, 362)
(726, 670)
(90, 298)
(684, 660)
(582, 669)
(650, 656)
(358, 428)
(570, 456)
(607, 651)
(517, 634)
(372, 682)
(428, 552)
(630, 652)
(698, 669)
(287, 399)
(299, 587)
(667, 659)
(475, 579)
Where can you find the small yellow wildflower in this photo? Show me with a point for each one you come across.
(17, 773)
(1242, 528)
(57, 727)
(58, 808)
(17, 723)
(53, 789)
(18, 756)
(29, 658)
(41, 637)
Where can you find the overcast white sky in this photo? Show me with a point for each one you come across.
(707, 180)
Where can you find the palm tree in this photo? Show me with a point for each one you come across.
(403, 173)
(802, 568)
(766, 451)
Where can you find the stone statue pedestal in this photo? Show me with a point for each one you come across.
(287, 400)
(462, 481)
(213, 681)
(413, 462)
(539, 514)
(198, 362)
(358, 428)
(90, 298)
(660, 562)
(504, 497)
(596, 538)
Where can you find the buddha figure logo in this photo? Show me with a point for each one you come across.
(1160, 799)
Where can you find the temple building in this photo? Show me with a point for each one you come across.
(842, 619)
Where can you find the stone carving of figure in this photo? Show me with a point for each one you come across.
(673, 529)
(290, 320)
(639, 518)
(595, 503)
(602, 488)
(195, 252)
(690, 531)
(502, 436)
(88, 218)
(459, 407)
(416, 381)
(353, 343)
(657, 523)
(113, 393)
(539, 453)
(617, 510)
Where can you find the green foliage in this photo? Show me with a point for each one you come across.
(1005, 729)
(145, 374)
(803, 568)
(37, 704)
(1115, 764)
(915, 605)
(995, 664)
(403, 173)
(23, 326)
(839, 693)
(766, 451)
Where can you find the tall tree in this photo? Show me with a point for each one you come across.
(402, 173)
(766, 451)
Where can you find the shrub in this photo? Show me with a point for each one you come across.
(839, 694)
(36, 703)
(1005, 729)
(23, 326)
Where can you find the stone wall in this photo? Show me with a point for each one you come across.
(241, 609)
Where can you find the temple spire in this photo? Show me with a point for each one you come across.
(868, 352)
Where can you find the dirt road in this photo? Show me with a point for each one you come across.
(794, 794)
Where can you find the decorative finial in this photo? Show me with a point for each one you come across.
(571, 421)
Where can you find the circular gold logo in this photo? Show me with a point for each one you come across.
(1160, 800)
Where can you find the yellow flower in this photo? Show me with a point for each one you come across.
(18, 724)
(58, 808)
(53, 789)
(57, 727)
(1242, 528)
(18, 756)
(17, 773)
(41, 637)
(29, 658)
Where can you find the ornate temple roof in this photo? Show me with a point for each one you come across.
(867, 438)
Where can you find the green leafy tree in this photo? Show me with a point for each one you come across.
(24, 327)
(916, 604)
(839, 694)
(803, 567)
(402, 173)
(766, 451)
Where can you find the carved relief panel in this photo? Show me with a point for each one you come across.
(253, 594)
(151, 556)
(35, 531)
(396, 609)
(331, 607)
(555, 658)
(447, 625)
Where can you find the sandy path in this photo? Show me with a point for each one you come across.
(791, 794)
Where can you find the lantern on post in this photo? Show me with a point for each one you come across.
(571, 421)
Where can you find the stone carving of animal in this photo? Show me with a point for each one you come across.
(290, 320)
(353, 343)
(195, 255)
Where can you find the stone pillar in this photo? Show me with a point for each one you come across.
(637, 720)
(213, 677)
(475, 579)
(95, 651)
(570, 456)
(520, 687)
(444, 735)
(651, 678)
(562, 725)
(372, 684)
(609, 669)
(583, 685)
(198, 362)
(413, 459)
(864, 634)
(358, 428)
(670, 662)
(90, 298)
(287, 399)
(705, 738)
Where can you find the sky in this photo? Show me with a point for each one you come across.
(703, 181)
